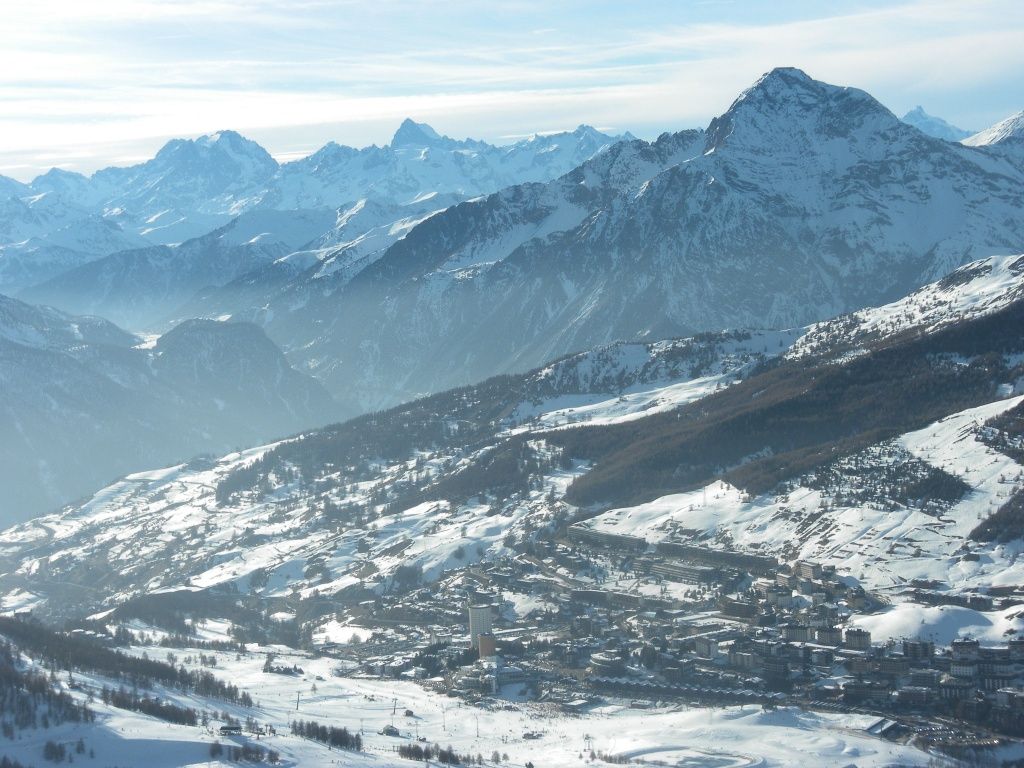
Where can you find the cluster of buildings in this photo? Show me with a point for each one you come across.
(608, 618)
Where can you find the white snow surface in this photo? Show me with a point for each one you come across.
(942, 623)
(1010, 128)
(974, 290)
(723, 737)
(882, 548)
(655, 383)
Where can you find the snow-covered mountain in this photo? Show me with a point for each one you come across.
(193, 186)
(752, 436)
(84, 401)
(934, 126)
(12, 188)
(419, 162)
(361, 234)
(975, 290)
(1009, 130)
(802, 201)
(192, 189)
(41, 236)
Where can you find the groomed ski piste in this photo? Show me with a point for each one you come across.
(678, 735)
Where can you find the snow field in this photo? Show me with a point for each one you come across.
(715, 738)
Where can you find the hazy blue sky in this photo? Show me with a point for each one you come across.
(89, 84)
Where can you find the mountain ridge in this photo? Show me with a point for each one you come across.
(816, 193)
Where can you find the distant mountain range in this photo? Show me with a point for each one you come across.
(61, 225)
(193, 186)
(42, 236)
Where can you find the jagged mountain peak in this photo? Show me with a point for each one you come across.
(227, 137)
(780, 82)
(221, 145)
(786, 75)
(330, 152)
(788, 107)
(59, 174)
(1010, 129)
(413, 134)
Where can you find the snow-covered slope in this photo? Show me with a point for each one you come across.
(623, 382)
(445, 481)
(882, 543)
(1009, 130)
(934, 126)
(362, 232)
(12, 188)
(83, 401)
(728, 737)
(802, 201)
(974, 290)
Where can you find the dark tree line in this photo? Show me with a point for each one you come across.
(1005, 524)
(1005, 433)
(446, 755)
(339, 738)
(30, 699)
(80, 653)
(245, 753)
(149, 705)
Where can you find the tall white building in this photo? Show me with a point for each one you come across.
(479, 622)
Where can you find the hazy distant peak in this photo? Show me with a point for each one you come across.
(934, 126)
(413, 134)
(227, 144)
